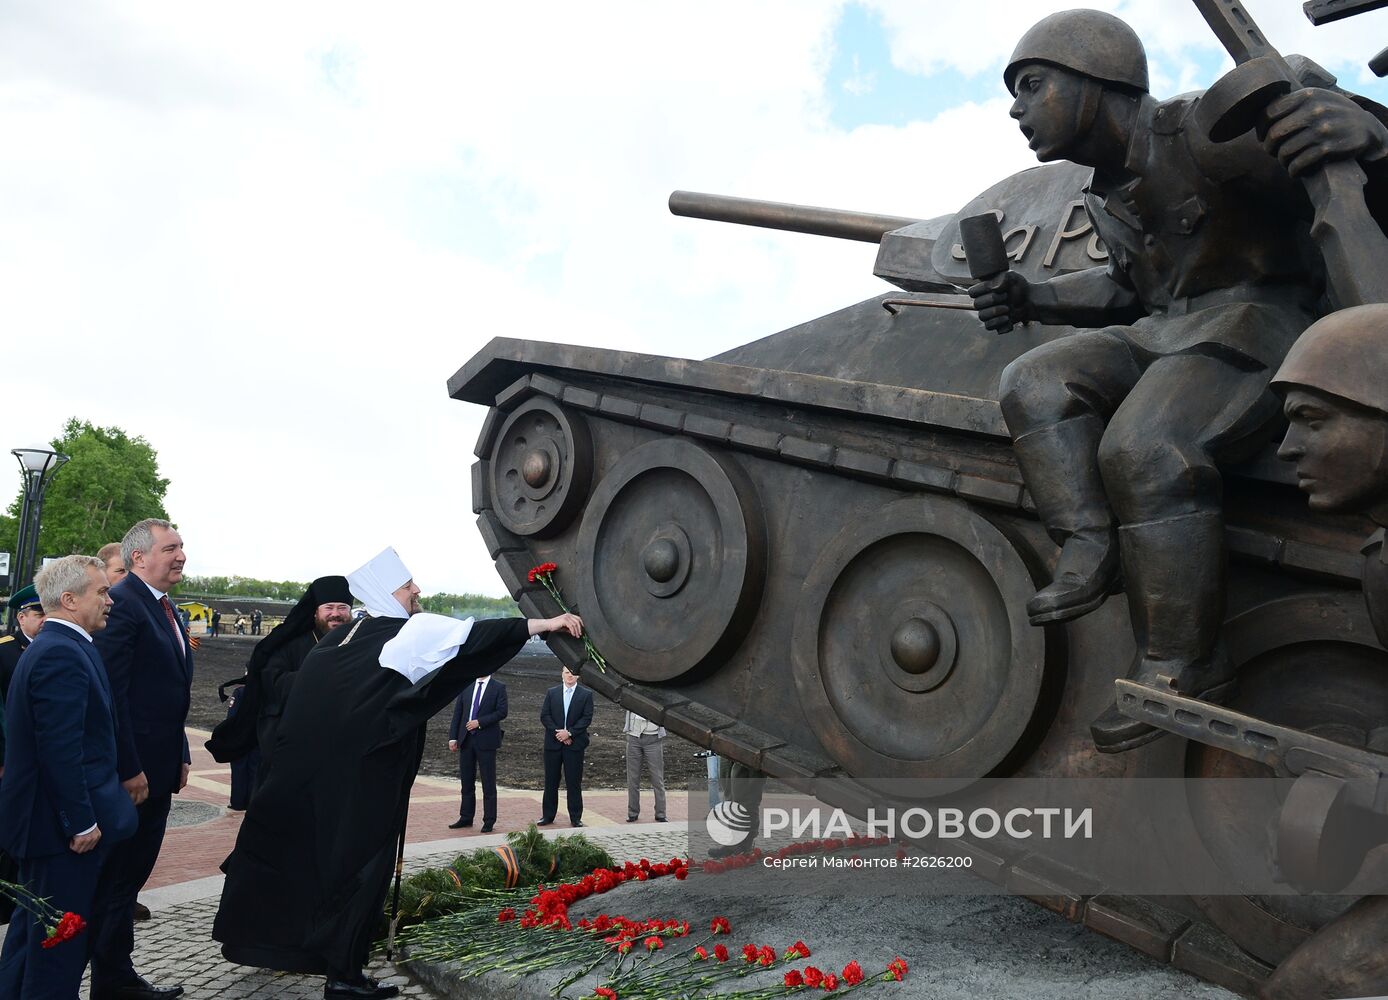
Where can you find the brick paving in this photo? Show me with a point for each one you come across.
(176, 945)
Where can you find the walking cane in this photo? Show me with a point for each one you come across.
(395, 896)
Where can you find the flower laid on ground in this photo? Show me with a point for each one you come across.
(58, 925)
(543, 574)
(527, 930)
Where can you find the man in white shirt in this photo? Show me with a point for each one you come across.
(475, 736)
(62, 807)
(645, 742)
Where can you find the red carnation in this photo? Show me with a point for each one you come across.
(853, 973)
(720, 952)
(605, 993)
(749, 953)
(831, 983)
(798, 950)
(720, 925)
(701, 953)
(897, 967)
(813, 977)
(68, 927)
(793, 979)
(544, 569)
(654, 943)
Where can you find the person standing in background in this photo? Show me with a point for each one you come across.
(645, 742)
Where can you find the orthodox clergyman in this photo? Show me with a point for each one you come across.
(306, 882)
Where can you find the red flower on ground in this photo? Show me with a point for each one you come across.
(605, 993)
(898, 968)
(798, 950)
(853, 973)
(749, 953)
(701, 953)
(720, 925)
(654, 943)
(720, 952)
(793, 979)
(813, 977)
(831, 983)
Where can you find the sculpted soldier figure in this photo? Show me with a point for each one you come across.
(1336, 384)
(1211, 277)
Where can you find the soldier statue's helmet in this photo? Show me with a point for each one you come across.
(1089, 42)
(1344, 354)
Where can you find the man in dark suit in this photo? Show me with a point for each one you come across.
(150, 664)
(62, 807)
(475, 736)
(566, 714)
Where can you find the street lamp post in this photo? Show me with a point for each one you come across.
(38, 466)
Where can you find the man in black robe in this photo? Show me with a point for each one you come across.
(307, 880)
(274, 661)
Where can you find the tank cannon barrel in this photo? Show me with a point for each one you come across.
(862, 226)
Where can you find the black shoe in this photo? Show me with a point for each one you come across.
(141, 911)
(461, 824)
(138, 989)
(661, 819)
(544, 822)
(487, 827)
(632, 819)
(575, 822)
(361, 988)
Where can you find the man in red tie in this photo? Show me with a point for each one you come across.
(149, 661)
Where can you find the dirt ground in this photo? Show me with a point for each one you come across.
(520, 763)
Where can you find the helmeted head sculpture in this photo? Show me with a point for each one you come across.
(1335, 386)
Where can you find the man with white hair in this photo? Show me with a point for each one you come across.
(307, 881)
(62, 807)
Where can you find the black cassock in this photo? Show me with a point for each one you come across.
(306, 882)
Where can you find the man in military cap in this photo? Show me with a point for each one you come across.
(28, 613)
(1335, 381)
(1119, 429)
(24, 605)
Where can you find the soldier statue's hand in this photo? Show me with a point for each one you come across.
(1002, 299)
(1313, 125)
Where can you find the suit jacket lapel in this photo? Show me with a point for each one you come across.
(161, 622)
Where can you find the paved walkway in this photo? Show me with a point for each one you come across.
(176, 945)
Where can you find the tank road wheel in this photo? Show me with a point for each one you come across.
(540, 468)
(1311, 662)
(912, 653)
(671, 559)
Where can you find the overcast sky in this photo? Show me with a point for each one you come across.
(263, 235)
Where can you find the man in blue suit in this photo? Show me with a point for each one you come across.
(566, 714)
(475, 736)
(62, 808)
(149, 661)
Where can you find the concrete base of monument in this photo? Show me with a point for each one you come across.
(956, 946)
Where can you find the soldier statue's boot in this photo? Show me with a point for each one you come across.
(1062, 473)
(1174, 570)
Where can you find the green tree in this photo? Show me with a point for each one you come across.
(111, 482)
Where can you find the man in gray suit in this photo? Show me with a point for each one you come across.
(645, 742)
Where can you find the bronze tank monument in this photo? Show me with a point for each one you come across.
(897, 543)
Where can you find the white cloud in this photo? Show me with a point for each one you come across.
(264, 235)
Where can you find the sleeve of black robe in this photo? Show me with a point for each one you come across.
(490, 644)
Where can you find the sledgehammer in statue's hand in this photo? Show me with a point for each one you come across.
(999, 294)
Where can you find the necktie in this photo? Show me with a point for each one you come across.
(173, 622)
(476, 700)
